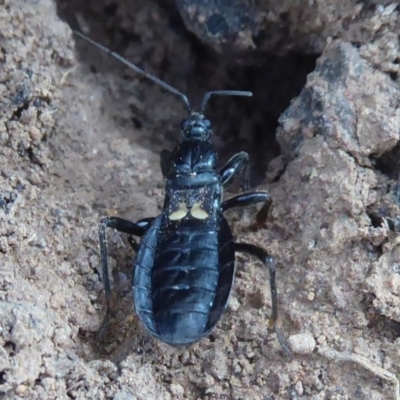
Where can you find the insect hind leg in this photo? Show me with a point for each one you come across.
(268, 261)
(121, 225)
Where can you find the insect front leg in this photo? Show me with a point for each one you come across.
(239, 162)
(121, 225)
(249, 199)
(165, 157)
(268, 261)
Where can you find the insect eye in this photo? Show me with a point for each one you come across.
(185, 124)
(207, 123)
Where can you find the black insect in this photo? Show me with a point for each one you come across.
(185, 262)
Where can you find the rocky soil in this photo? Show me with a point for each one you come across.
(80, 137)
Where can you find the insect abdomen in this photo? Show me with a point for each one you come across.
(183, 279)
(184, 284)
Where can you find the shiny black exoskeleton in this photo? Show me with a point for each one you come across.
(185, 262)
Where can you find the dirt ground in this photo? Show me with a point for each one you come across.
(80, 138)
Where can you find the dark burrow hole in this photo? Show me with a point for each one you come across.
(247, 124)
(388, 163)
(376, 220)
(382, 325)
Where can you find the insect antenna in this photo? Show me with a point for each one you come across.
(222, 93)
(140, 71)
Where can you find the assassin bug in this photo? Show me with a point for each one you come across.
(185, 262)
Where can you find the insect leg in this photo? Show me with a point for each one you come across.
(144, 223)
(249, 199)
(120, 225)
(239, 162)
(268, 261)
(165, 156)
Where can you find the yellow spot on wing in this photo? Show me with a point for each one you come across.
(180, 213)
(198, 212)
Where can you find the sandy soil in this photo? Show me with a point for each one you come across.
(80, 138)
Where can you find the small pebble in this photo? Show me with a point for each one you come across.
(321, 339)
(302, 343)
(20, 390)
(299, 388)
(177, 390)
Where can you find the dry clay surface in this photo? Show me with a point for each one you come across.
(69, 157)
